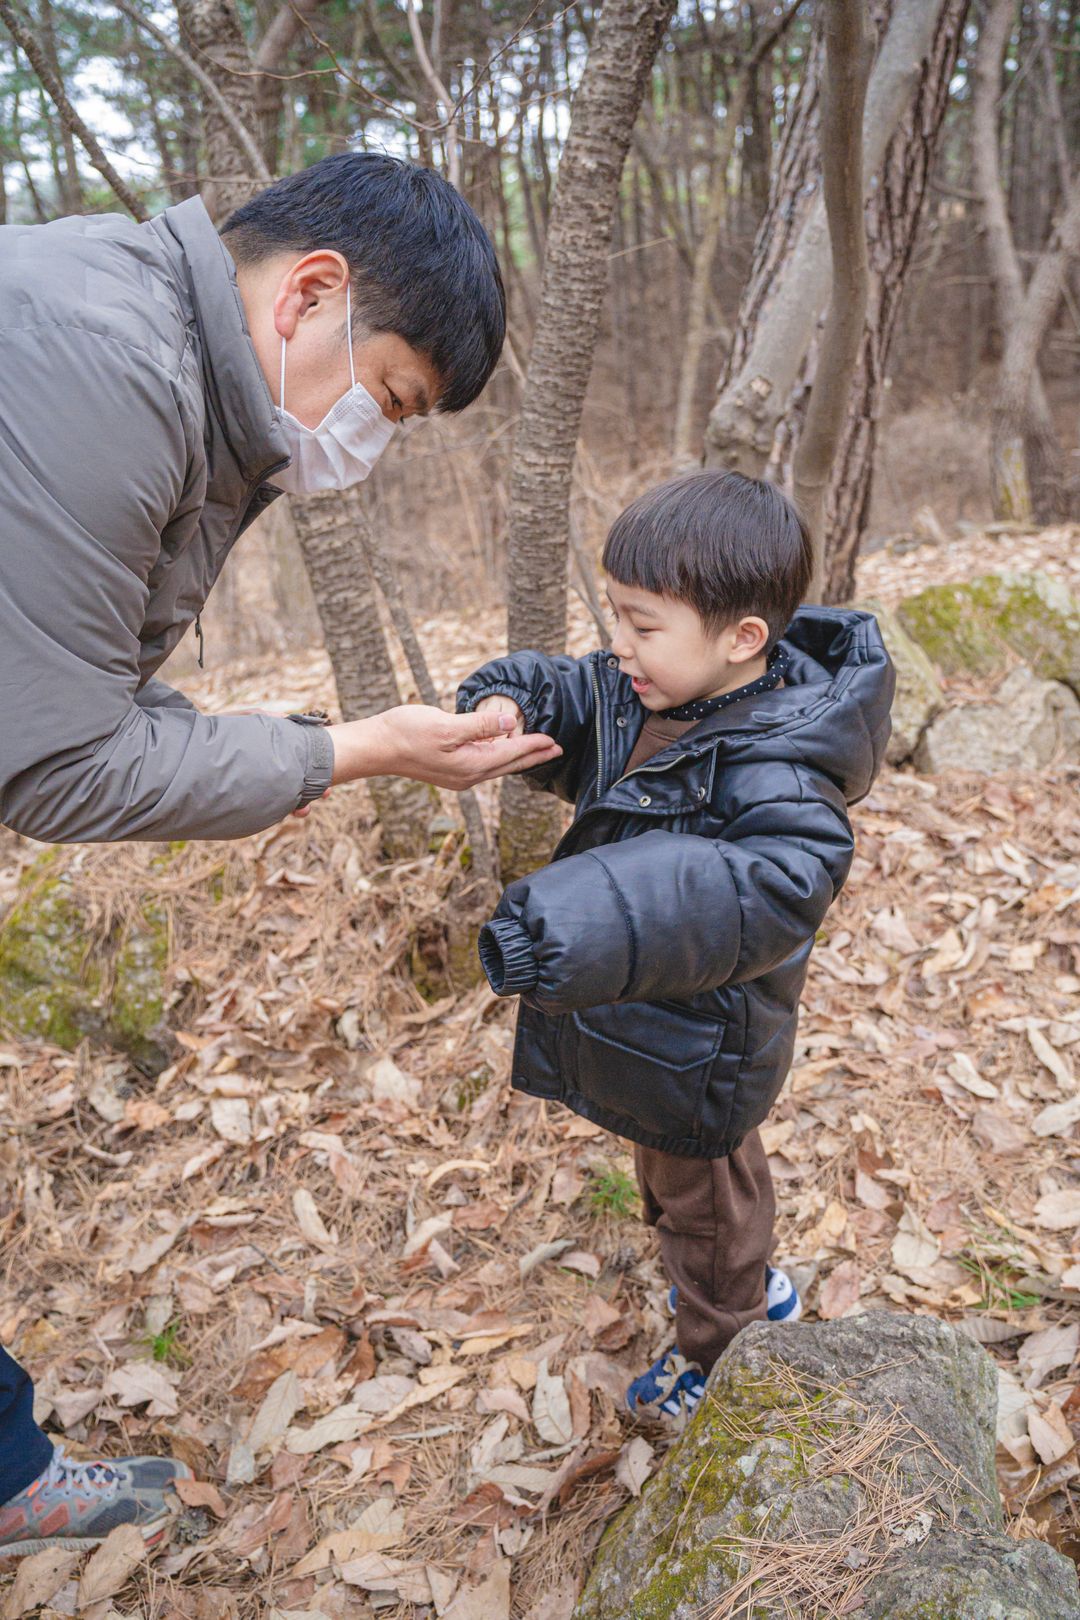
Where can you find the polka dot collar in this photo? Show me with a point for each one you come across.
(701, 708)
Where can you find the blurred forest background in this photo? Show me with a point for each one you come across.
(962, 209)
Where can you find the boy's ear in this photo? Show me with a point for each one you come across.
(751, 635)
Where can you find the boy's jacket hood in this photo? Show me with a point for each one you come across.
(831, 714)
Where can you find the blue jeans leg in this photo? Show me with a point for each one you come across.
(24, 1449)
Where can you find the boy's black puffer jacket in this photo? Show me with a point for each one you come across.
(661, 955)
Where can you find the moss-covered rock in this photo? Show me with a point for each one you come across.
(872, 1437)
(919, 697)
(983, 626)
(62, 981)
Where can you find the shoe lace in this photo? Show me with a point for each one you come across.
(66, 1473)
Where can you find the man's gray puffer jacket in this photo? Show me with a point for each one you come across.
(136, 432)
(661, 955)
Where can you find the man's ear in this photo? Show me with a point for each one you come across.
(306, 283)
(751, 635)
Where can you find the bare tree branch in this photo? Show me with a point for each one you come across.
(244, 139)
(68, 116)
(442, 95)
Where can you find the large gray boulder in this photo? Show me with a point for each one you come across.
(983, 626)
(1029, 723)
(850, 1460)
(919, 696)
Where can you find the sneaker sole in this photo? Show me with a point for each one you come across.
(151, 1532)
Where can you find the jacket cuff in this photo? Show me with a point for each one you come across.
(507, 957)
(320, 765)
(467, 701)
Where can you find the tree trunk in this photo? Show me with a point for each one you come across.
(213, 34)
(344, 590)
(790, 277)
(894, 212)
(286, 29)
(1016, 452)
(623, 48)
(683, 452)
(848, 51)
(1027, 466)
(336, 563)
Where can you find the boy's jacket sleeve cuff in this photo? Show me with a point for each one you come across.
(507, 957)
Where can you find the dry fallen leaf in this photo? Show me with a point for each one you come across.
(345, 1423)
(280, 1405)
(915, 1248)
(1059, 1066)
(38, 1578)
(135, 1383)
(1042, 1353)
(1058, 1118)
(231, 1119)
(391, 1084)
(551, 1408)
(310, 1221)
(110, 1567)
(502, 1399)
(635, 1464)
(379, 1526)
(840, 1291)
(200, 1493)
(488, 1601)
(1050, 1435)
(964, 1072)
(1059, 1211)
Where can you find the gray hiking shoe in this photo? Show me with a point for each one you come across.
(74, 1504)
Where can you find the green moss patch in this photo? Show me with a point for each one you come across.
(982, 627)
(62, 982)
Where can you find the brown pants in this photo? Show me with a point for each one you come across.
(715, 1220)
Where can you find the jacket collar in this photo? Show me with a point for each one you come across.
(236, 390)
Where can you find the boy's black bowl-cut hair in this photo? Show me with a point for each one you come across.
(422, 264)
(727, 545)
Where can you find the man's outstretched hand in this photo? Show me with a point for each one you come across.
(448, 750)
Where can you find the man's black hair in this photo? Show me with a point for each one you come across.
(422, 264)
(727, 545)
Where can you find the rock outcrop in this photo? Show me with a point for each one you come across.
(850, 1460)
(1029, 723)
(919, 696)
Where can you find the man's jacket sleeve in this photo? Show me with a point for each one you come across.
(556, 694)
(94, 452)
(668, 915)
(155, 694)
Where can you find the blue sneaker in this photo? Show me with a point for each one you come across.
(782, 1302)
(672, 1386)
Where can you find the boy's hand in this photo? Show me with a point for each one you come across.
(499, 704)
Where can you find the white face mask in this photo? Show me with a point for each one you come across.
(347, 442)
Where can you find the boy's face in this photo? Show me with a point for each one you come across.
(672, 658)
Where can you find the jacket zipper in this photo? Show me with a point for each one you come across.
(600, 788)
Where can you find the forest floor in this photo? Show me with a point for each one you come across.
(386, 1308)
